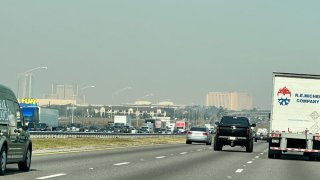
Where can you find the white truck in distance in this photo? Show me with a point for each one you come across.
(125, 120)
(35, 116)
(49, 117)
(295, 115)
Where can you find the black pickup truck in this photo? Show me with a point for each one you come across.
(234, 131)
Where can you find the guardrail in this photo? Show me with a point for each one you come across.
(50, 134)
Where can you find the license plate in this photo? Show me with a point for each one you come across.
(232, 138)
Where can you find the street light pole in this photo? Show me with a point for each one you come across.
(119, 91)
(83, 88)
(27, 73)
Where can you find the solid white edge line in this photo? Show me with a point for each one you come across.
(160, 157)
(123, 163)
(239, 170)
(51, 176)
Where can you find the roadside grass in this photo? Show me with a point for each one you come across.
(63, 143)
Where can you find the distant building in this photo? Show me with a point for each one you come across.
(230, 100)
(142, 103)
(48, 102)
(166, 103)
(65, 92)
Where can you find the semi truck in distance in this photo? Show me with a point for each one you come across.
(125, 120)
(158, 125)
(40, 118)
(295, 115)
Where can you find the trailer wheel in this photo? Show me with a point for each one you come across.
(273, 155)
(278, 156)
(312, 158)
(270, 155)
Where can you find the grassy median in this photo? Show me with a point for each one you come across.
(62, 143)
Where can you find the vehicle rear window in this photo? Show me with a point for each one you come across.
(241, 121)
(198, 129)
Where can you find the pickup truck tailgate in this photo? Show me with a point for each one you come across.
(233, 131)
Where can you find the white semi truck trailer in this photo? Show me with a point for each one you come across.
(295, 115)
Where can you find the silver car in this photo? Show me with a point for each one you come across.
(199, 134)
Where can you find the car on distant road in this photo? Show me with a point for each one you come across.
(74, 127)
(110, 129)
(41, 127)
(261, 134)
(126, 129)
(199, 134)
(94, 129)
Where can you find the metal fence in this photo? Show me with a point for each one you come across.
(46, 134)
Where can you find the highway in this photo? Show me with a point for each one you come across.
(176, 162)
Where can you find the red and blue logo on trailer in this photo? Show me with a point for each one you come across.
(284, 96)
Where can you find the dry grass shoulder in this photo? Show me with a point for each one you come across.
(47, 143)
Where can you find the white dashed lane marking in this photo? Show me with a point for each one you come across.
(239, 170)
(120, 164)
(256, 157)
(249, 162)
(184, 153)
(51, 176)
(160, 157)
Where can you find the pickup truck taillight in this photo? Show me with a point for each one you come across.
(218, 130)
(189, 132)
(248, 131)
(205, 134)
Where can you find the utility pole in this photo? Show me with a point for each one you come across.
(72, 109)
(137, 114)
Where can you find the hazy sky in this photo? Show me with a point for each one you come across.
(173, 49)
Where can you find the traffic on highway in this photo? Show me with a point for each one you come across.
(159, 90)
(227, 150)
(179, 161)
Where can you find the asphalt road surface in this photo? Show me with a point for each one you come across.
(176, 162)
